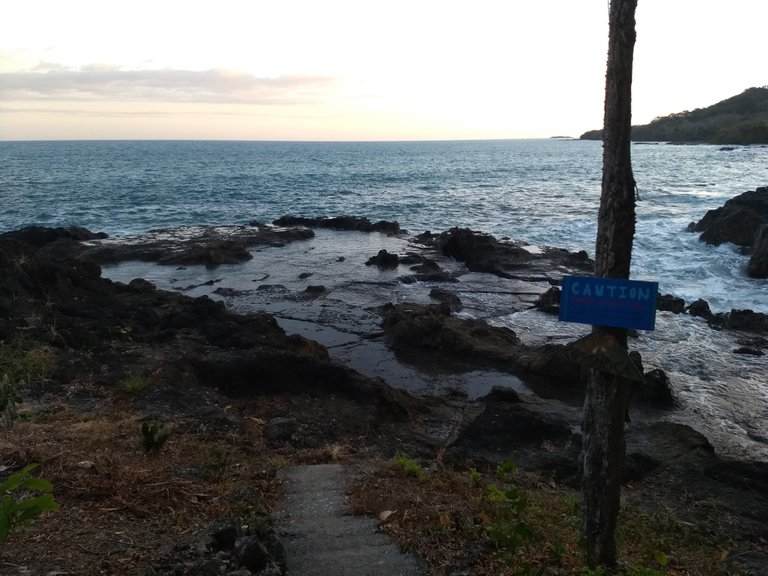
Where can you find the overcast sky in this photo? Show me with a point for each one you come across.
(357, 69)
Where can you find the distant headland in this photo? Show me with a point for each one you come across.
(741, 119)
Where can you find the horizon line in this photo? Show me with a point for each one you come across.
(286, 141)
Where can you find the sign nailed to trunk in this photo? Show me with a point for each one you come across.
(609, 302)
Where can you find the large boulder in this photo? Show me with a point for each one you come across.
(505, 258)
(420, 334)
(737, 221)
(743, 221)
(416, 329)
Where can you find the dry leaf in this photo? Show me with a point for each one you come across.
(385, 514)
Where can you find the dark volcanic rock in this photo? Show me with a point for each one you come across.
(655, 389)
(737, 221)
(482, 252)
(414, 327)
(743, 221)
(419, 333)
(384, 260)
(207, 245)
(549, 302)
(446, 297)
(426, 270)
(548, 362)
(749, 351)
(505, 258)
(669, 303)
(700, 308)
(741, 320)
(758, 262)
(38, 236)
(223, 534)
(193, 341)
(341, 223)
(279, 429)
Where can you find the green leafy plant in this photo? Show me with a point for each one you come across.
(18, 505)
(512, 529)
(506, 471)
(409, 465)
(475, 477)
(153, 436)
(9, 397)
(134, 383)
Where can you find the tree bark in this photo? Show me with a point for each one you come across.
(607, 396)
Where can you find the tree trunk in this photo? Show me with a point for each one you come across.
(607, 396)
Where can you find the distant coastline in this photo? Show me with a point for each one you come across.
(741, 119)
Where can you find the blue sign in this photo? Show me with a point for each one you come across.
(609, 302)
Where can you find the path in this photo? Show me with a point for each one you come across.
(322, 538)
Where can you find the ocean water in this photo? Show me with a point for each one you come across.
(544, 192)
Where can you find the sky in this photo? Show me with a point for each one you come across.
(357, 69)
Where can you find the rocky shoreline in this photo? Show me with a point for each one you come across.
(198, 356)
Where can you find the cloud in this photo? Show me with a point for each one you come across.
(102, 82)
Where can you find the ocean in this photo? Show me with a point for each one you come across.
(543, 192)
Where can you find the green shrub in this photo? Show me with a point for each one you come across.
(153, 436)
(409, 465)
(18, 506)
(25, 364)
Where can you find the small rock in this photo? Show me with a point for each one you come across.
(549, 301)
(223, 534)
(279, 429)
(305, 275)
(669, 303)
(446, 297)
(384, 260)
(141, 285)
(637, 466)
(749, 351)
(656, 389)
(252, 553)
(700, 308)
(502, 394)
